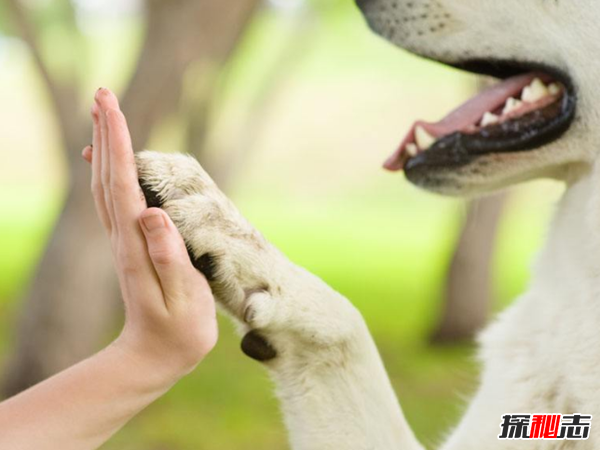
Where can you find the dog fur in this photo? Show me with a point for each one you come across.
(539, 356)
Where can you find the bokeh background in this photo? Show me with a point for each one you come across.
(292, 105)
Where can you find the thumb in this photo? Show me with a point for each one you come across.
(167, 252)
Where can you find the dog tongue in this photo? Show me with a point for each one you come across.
(465, 118)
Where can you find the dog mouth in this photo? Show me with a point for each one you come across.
(530, 107)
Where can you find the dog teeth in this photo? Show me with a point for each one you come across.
(554, 89)
(412, 149)
(423, 138)
(535, 91)
(511, 105)
(489, 119)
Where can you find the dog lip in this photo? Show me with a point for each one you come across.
(528, 132)
(466, 117)
(504, 68)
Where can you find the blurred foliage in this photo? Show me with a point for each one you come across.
(55, 25)
(5, 28)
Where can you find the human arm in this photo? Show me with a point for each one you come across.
(170, 315)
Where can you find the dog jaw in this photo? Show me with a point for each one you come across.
(561, 36)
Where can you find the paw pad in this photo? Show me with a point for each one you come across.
(257, 347)
(152, 198)
(205, 264)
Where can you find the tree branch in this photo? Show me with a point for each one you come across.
(206, 30)
(64, 96)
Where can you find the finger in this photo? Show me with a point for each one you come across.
(87, 154)
(97, 188)
(106, 100)
(135, 268)
(169, 257)
(127, 203)
(124, 189)
(127, 200)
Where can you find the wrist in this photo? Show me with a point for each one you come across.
(147, 365)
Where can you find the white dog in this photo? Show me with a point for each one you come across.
(541, 355)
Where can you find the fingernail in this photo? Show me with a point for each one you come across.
(96, 94)
(153, 222)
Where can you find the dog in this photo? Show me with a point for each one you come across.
(539, 120)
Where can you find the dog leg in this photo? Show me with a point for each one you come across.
(334, 390)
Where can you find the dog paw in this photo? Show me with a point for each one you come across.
(259, 310)
(280, 307)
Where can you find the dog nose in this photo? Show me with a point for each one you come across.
(363, 4)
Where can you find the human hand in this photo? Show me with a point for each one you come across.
(170, 311)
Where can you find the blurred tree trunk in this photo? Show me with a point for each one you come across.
(70, 304)
(468, 296)
(293, 50)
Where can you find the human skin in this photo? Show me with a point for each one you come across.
(170, 318)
